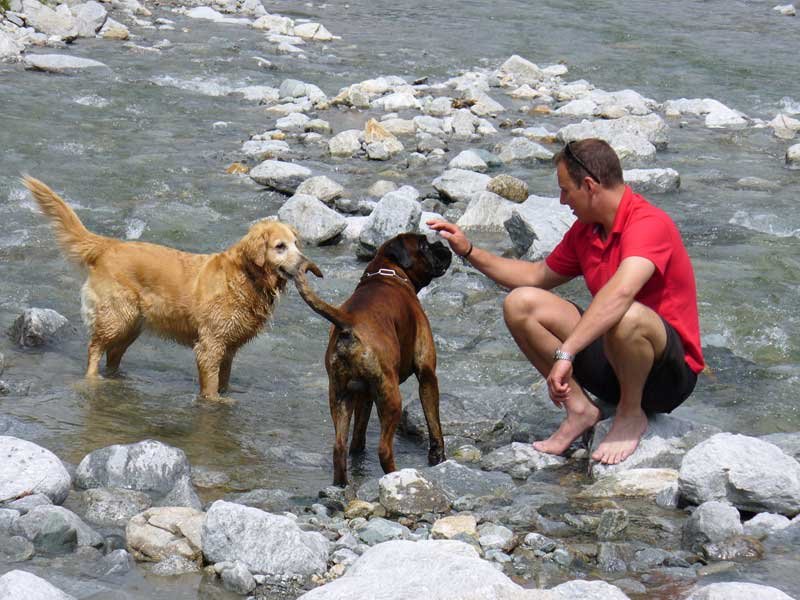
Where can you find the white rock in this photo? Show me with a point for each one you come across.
(60, 63)
(787, 10)
(469, 160)
(793, 156)
(315, 222)
(631, 483)
(345, 143)
(460, 185)
(652, 181)
(313, 31)
(750, 473)
(279, 175)
(26, 468)
(21, 584)
(537, 225)
(764, 524)
(737, 591)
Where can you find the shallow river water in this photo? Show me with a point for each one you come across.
(141, 150)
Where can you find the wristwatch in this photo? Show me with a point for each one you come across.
(559, 354)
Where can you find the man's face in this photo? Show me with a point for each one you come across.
(576, 197)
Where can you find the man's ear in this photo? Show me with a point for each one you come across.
(396, 251)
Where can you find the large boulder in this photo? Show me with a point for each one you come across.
(663, 445)
(55, 530)
(279, 175)
(712, 521)
(37, 326)
(21, 584)
(60, 63)
(456, 185)
(486, 212)
(397, 212)
(58, 21)
(10, 48)
(537, 225)
(407, 492)
(148, 466)
(26, 469)
(263, 542)
(315, 222)
(747, 472)
(737, 591)
(434, 569)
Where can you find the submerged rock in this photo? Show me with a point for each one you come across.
(37, 326)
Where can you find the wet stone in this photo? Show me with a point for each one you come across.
(612, 523)
(738, 548)
(15, 548)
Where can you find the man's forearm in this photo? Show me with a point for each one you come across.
(605, 311)
(510, 272)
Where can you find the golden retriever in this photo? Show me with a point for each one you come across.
(214, 303)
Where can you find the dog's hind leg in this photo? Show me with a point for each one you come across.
(341, 404)
(117, 349)
(390, 408)
(362, 406)
(429, 396)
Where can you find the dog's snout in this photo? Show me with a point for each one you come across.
(442, 257)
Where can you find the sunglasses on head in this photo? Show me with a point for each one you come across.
(574, 158)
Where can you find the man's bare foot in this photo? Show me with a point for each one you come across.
(570, 429)
(622, 438)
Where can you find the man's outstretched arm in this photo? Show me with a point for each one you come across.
(507, 272)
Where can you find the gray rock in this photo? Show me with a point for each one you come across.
(509, 188)
(21, 584)
(13, 549)
(278, 175)
(315, 222)
(407, 492)
(520, 71)
(26, 469)
(459, 185)
(381, 187)
(397, 212)
(750, 473)
(265, 149)
(788, 442)
(712, 521)
(613, 521)
(522, 149)
(58, 22)
(113, 507)
(7, 518)
(632, 483)
(10, 48)
(486, 212)
(444, 569)
(793, 156)
(90, 16)
(457, 480)
(765, 524)
(651, 128)
(379, 530)
(519, 460)
(37, 326)
(56, 530)
(663, 445)
(321, 187)
(588, 590)
(274, 501)
(652, 181)
(345, 143)
(492, 536)
(737, 591)
(263, 542)
(238, 579)
(537, 225)
(28, 503)
(174, 565)
(60, 63)
(469, 160)
(146, 466)
(182, 494)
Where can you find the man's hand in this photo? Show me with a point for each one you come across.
(453, 234)
(558, 382)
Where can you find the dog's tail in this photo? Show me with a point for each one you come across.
(81, 245)
(337, 316)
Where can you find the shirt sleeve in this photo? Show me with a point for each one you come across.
(650, 238)
(564, 258)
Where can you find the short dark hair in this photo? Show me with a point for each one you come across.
(593, 157)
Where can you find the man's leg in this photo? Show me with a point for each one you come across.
(632, 346)
(539, 321)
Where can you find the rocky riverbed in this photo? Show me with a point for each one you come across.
(697, 512)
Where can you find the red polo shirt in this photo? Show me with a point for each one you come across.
(640, 229)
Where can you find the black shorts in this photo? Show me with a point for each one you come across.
(669, 383)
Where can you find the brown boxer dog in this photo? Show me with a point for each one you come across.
(380, 336)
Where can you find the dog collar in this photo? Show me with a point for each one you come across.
(385, 273)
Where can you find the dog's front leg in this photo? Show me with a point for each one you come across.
(209, 357)
(225, 370)
(429, 396)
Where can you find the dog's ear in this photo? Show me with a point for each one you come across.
(396, 251)
(255, 249)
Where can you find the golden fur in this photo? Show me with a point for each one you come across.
(214, 303)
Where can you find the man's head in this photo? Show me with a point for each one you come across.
(593, 158)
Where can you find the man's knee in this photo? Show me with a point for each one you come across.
(638, 323)
(520, 305)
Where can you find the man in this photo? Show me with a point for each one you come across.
(638, 343)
